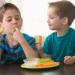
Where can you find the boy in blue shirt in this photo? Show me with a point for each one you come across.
(60, 44)
(14, 46)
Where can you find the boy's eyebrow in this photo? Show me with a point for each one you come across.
(18, 15)
(15, 16)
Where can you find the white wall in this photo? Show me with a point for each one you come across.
(34, 13)
(35, 17)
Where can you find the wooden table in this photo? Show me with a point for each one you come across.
(15, 69)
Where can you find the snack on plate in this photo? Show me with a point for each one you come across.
(40, 62)
(31, 63)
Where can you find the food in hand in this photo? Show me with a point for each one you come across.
(39, 39)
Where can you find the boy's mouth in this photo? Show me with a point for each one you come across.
(49, 25)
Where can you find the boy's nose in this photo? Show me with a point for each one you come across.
(14, 21)
(47, 21)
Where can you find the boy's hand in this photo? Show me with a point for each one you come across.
(18, 36)
(39, 47)
(68, 60)
(41, 54)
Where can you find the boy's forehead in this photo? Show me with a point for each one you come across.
(51, 10)
(11, 12)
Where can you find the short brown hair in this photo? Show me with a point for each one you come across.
(64, 9)
(5, 7)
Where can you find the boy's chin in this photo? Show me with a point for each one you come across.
(12, 32)
(52, 28)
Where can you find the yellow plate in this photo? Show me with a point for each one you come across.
(33, 67)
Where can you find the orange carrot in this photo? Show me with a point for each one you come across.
(51, 63)
(40, 39)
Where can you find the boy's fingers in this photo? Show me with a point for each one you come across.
(67, 59)
(16, 29)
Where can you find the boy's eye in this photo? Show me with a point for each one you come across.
(9, 20)
(17, 18)
(51, 17)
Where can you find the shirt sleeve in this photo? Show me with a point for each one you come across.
(74, 42)
(1, 52)
(31, 41)
(74, 47)
(47, 46)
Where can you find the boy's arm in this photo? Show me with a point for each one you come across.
(28, 50)
(74, 58)
(41, 54)
(69, 60)
(1, 52)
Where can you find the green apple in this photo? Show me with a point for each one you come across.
(42, 60)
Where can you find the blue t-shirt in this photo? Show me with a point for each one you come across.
(59, 47)
(15, 54)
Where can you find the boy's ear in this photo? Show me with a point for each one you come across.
(1, 25)
(65, 20)
(1, 28)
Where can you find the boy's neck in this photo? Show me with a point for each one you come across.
(10, 40)
(62, 31)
